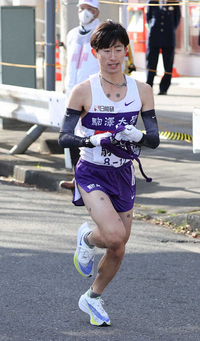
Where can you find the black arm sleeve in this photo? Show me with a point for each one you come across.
(67, 139)
(151, 138)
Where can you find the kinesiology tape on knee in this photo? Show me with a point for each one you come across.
(151, 138)
(67, 139)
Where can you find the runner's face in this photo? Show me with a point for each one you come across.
(111, 59)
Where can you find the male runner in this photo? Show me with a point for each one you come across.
(80, 62)
(107, 108)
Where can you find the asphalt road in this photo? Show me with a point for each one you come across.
(154, 297)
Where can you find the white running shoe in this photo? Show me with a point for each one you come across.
(84, 255)
(93, 307)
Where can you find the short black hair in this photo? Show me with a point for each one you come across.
(107, 33)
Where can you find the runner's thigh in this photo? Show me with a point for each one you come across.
(102, 211)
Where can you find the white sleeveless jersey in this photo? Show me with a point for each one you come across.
(104, 115)
(80, 61)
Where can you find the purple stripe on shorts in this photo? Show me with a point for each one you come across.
(117, 183)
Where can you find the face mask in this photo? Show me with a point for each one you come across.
(85, 16)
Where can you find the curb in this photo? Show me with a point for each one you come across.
(47, 178)
(177, 220)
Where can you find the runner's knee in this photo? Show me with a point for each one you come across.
(116, 239)
(117, 254)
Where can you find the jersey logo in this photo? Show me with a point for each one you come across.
(106, 108)
(126, 104)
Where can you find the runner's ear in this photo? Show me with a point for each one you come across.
(94, 53)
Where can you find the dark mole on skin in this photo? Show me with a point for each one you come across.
(102, 198)
(128, 215)
(90, 209)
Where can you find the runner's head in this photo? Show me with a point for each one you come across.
(107, 33)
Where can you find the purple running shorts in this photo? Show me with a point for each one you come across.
(117, 183)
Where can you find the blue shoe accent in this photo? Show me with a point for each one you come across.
(88, 269)
(104, 319)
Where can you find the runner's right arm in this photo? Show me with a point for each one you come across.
(67, 139)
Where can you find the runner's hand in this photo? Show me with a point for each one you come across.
(120, 136)
(130, 133)
(96, 139)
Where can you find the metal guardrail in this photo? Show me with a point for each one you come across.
(41, 107)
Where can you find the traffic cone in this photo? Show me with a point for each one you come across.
(58, 66)
(174, 72)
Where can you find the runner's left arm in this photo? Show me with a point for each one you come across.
(151, 138)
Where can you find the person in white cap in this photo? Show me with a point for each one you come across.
(80, 61)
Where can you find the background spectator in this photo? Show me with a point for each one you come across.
(163, 20)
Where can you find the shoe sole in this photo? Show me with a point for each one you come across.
(76, 252)
(84, 307)
(63, 185)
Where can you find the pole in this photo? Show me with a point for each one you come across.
(124, 23)
(64, 30)
(63, 38)
(50, 44)
(35, 131)
(123, 14)
(31, 136)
